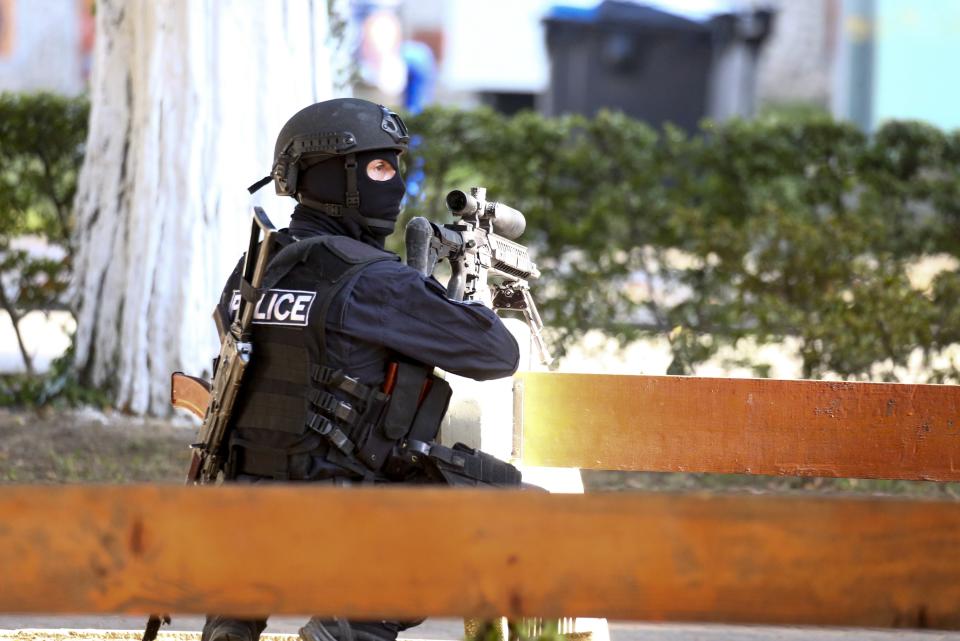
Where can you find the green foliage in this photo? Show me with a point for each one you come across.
(41, 150)
(57, 387)
(793, 110)
(527, 629)
(785, 226)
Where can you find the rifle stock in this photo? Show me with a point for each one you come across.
(190, 393)
(236, 351)
(213, 402)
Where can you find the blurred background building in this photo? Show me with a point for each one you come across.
(680, 60)
(895, 60)
(660, 60)
(45, 44)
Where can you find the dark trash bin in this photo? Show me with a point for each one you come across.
(651, 64)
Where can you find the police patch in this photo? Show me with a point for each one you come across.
(279, 307)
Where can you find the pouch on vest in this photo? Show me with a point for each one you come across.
(406, 461)
(280, 404)
(405, 384)
(461, 465)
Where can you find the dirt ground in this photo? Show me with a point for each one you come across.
(87, 445)
(94, 446)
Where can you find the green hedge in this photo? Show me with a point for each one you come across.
(42, 138)
(766, 229)
(772, 228)
(41, 149)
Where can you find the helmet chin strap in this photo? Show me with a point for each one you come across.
(339, 211)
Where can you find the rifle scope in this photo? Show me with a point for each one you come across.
(505, 220)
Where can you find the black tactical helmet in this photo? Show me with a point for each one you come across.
(338, 127)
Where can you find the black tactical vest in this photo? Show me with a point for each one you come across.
(286, 383)
(293, 408)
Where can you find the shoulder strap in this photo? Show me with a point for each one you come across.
(334, 255)
(282, 239)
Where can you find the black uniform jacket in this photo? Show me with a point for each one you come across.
(389, 309)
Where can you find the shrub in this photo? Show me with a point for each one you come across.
(785, 226)
(41, 150)
(775, 227)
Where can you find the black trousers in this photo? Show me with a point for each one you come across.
(218, 628)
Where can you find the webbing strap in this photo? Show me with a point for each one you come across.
(335, 210)
(327, 376)
(222, 320)
(248, 292)
(330, 209)
(353, 194)
(329, 430)
(333, 407)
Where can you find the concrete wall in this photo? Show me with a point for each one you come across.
(796, 62)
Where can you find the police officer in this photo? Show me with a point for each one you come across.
(340, 389)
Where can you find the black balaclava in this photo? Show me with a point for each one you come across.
(326, 182)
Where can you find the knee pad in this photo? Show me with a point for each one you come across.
(318, 629)
(223, 629)
(315, 630)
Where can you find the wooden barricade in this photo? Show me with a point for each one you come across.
(371, 553)
(411, 552)
(751, 426)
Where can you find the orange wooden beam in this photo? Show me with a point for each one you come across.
(752, 426)
(407, 552)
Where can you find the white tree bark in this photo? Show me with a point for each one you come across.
(187, 99)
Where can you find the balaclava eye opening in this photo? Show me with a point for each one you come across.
(326, 182)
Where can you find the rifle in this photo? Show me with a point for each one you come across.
(480, 247)
(486, 265)
(235, 352)
(214, 401)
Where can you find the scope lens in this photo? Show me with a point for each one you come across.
(456, 200)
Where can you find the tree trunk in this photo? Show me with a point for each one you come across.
(187, 99)
(10, 307)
